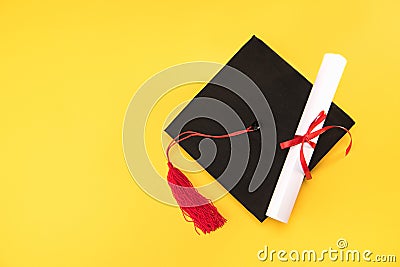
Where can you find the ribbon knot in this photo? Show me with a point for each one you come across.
(307, 138)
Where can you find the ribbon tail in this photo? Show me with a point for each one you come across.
(304, 163)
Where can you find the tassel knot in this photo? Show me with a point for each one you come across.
(195, 207)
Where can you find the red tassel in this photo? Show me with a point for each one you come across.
(206, 216)
(199, 209)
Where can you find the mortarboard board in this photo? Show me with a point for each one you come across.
(286, 92)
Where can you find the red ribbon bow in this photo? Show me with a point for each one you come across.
(307, 138)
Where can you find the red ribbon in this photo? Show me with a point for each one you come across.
(307, 138)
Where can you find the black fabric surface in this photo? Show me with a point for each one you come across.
(286, 91)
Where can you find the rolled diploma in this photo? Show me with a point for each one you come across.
(292, 174)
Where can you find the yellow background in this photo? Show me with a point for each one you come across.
(68, 70)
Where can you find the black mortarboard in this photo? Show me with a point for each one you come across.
(286, 91)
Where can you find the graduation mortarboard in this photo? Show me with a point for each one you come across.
(268, 98)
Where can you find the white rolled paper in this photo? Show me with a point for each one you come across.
(320, 98)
